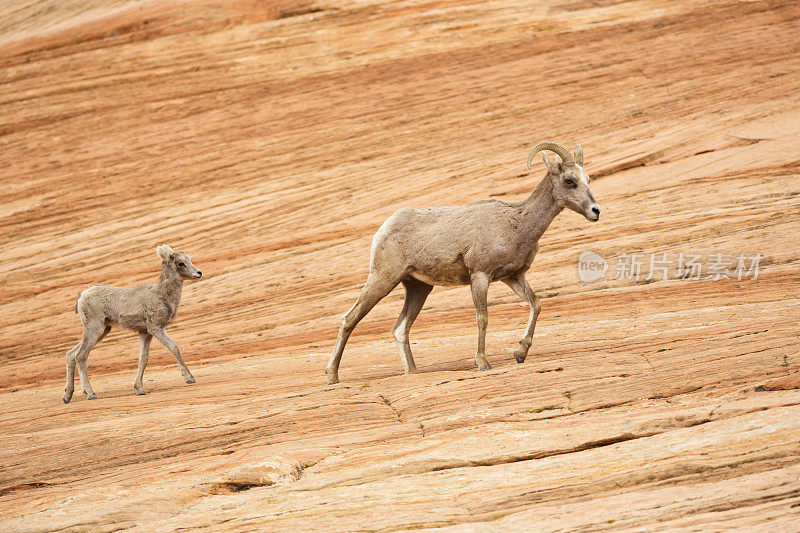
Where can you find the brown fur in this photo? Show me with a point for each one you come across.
(146, 309)
(473, 244)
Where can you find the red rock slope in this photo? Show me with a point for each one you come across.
(271, 139)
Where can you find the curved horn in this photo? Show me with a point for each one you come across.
(566, 157)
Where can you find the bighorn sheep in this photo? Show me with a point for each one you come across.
(146, 309)
(471, 244)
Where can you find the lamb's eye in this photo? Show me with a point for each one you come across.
(570, 183)
(181, 264)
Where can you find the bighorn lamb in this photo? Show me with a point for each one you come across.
(146, 309)
(473, 245)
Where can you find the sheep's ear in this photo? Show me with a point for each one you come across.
(164, 252)
(579, 154)
(553, 166)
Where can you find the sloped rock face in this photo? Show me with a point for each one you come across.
(270, 140)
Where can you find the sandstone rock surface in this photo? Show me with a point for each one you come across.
(270, 140)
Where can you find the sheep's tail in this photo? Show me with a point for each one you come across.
(77, 300)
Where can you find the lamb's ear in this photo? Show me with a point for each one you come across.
(164, 252)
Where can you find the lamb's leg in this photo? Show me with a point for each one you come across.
(520, 286)
(163, 338)
(92, 334)
(144, 353)
(480, 288)
(71, 361)
(374, 290)
(416, 294)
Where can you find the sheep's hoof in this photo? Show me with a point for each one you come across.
(483, 364)
(140, 392)
(92, 397)
(65, 399)
(190, 380)
(520, 357)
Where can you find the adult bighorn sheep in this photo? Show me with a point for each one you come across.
(146, 309)
(472, 244)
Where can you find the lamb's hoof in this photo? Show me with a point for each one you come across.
(333, 377)
(520, 357)
(140, 392)
(65, 399)
(92, 397)
(190, 380)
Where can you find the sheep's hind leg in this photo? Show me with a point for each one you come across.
(480, 288)
(69, 389)
(373, 291)
(92, 334)
(144, 354)
(520, 286)
(416, 294)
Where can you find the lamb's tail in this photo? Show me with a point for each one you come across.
(77, 300)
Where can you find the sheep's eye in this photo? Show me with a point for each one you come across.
(570, 183)
(181, 264)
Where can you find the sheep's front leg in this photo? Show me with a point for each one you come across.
(163, 338)
(480, 288)
(520, 286)
(144, 354)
